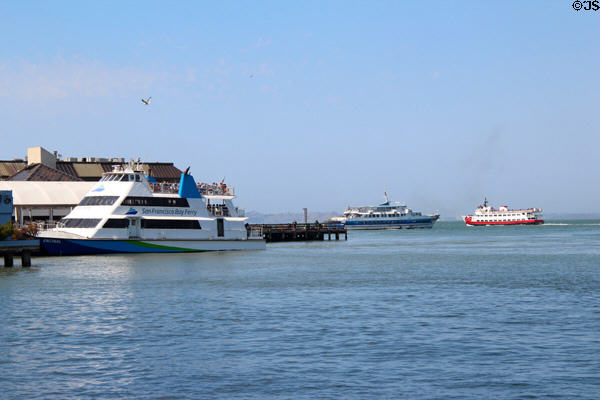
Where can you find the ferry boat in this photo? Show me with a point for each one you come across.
(486, 215)
(385, 216)
(123, 213)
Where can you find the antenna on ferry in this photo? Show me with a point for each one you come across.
(386, 197)
(485, 202)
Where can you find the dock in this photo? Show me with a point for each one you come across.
(300, 232)
(20, 248)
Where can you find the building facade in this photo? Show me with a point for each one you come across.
(45, 187)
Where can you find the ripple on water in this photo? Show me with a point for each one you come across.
(444, 313)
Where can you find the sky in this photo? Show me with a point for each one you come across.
(318, 104)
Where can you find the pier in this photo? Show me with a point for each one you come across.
(300, 232)
(20, 248)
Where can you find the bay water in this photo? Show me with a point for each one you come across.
(451, 312)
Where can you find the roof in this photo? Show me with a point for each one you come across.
(41, 173)
(88, 170)
(162, 171)
(66, 167)
(92, 170)
(9, 168)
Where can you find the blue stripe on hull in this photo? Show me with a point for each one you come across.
(59, 247)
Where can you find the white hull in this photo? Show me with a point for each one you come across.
(386, 227)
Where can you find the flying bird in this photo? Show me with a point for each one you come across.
(147, 101)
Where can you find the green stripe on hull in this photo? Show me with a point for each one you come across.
(159, 247)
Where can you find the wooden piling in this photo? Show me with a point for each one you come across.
(8, 260)
(9, 249)
(26, 259)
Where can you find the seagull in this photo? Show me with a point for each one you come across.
(147, 101)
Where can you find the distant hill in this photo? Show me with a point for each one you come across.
(255, 217)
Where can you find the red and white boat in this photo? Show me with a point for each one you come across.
(486, 215)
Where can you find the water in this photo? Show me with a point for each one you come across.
(452, 312)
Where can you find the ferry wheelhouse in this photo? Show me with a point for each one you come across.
(486, 215)
(124, 213)
(385, 216)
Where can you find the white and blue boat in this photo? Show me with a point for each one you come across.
(124, 213)
(385, 216)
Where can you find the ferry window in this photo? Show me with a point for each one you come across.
(170, 224)
(155, 201)
(138, 178)
(98, 200)
(80, 222)
(116, 223)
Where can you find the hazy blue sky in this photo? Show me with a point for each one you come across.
(318, 104)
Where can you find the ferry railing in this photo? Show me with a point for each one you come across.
(210, 190)
(217, 191)
(169, 188)
(218, 210)
(46, 225)
(255, 232)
